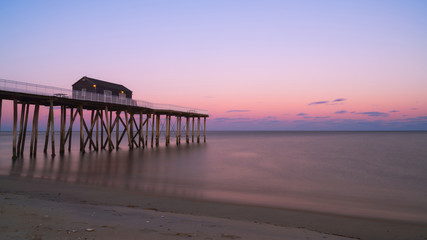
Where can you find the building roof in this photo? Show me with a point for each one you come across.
(104, 84)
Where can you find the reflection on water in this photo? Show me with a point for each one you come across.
(163, 170)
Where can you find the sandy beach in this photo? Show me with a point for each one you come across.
(39, 209)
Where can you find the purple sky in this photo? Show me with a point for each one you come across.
(255, 65)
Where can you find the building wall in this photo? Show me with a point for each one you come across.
(99, 89)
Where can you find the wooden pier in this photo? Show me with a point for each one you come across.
(110, 119)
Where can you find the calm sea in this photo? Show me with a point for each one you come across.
(374, 174)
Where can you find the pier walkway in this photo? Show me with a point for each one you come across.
(111, 119)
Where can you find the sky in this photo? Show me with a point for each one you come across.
(254, 65)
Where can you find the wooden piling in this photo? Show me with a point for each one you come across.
(131, 122)
(146, 129)
(141, 130)
(198, 129)
(102, 129)
(187, 136)
(157, 130)
(127, 129)
(92, 123)
(15, 123)
(46, 141)
(1, 101)
(34, 131)
(167, 130)
(117, 129)
(70, 129)
(177, 130)
(97, 130)
(52, 128)
(204, 129)
(25, 130)
(81, 129)
(110, 147)
(192, 132)
(152, 130)
(62, 131)
(21, 127)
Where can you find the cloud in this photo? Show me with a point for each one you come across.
(374, 114)
(319, 102)
(341, 112)
(302, 114)
(333, 102)
(324, 117)
(237, 110)
(413, 109)
(393, 111)
(224, 119)
(420, 118)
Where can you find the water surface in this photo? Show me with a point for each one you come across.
(374, 174)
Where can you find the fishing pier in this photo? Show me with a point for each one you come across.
(110, 117)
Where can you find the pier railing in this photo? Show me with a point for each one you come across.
(31, 88)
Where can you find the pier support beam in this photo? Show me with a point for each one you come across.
(81, 129)
(178, 130)
(204, 129)
(52, 127)
(108, 125)
(192, 131)
(70, 129)
(15, 123)
(1, 102)
(146, 129)
(167, 129)
(198, 129)
(21, 126)
(127, 130)
(25, 129)
(116, 123)
(34, 131)
(62, 130)
(187, 136)
(157, 129)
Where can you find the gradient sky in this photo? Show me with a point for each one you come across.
(261, 65)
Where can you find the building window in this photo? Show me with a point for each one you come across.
(83, 92)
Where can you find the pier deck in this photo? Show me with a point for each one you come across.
(108, 115)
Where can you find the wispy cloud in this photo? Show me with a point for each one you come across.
(333, 102)
(224, 119)
(321, 117)
(413, 109)
(318, 103)
(339, 100)
(341, 112)
(420, 118)
(238, 111)
(302, 114)
(374, 114)
(393, 111)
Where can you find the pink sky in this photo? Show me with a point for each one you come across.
(255, 65)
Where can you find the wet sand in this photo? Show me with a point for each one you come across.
(40, 209)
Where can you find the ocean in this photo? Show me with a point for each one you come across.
(364, 174)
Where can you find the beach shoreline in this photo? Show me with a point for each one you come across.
(22, 196)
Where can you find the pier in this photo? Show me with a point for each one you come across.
(112, 118)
